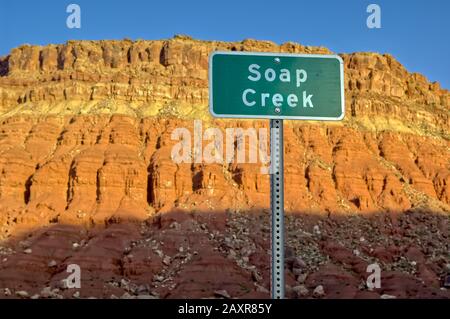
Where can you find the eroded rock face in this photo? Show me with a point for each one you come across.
(88, 169)
(104, 147)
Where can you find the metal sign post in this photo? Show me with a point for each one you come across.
(276, 86)
(277, 207)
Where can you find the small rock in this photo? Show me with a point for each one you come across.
(222, 293)
(386, 296)
(28, 251)
(356, 252)
(297, 271)
(142, 289)
(126, 295)
(302, 278)
(46, 292)
(256, 276)
(158, 278)
(289, 252)
(24, 244)
(7, 292)
(298, 263)
(295, 262)
(175, 225)
(76, 294)
(319, 291)
(447, 281)
(63, 284)
(133, 288)
(52, 263)
(166, 260)
(316, 229)
(75, 245)
(245, 251)
(154, 293)
(22, 294)
(301, 291)
(262, 289)
(124, 283)
(231, 254)
(36, 296)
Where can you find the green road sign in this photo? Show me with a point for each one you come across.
(276, 86)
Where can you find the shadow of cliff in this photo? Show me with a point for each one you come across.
(202, 254)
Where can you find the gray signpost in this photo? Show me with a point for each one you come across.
(276, 86)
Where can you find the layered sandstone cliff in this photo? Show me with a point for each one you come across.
(86, 137)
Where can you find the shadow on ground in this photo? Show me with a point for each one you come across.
(183, 254)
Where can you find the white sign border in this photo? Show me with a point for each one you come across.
(274, 117)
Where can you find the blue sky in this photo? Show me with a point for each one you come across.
(416, 32)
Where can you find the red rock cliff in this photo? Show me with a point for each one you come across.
(85, 136)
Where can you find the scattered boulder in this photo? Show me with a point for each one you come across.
(222, 294)
(301, 291)
(22, 294)
(319, 292)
